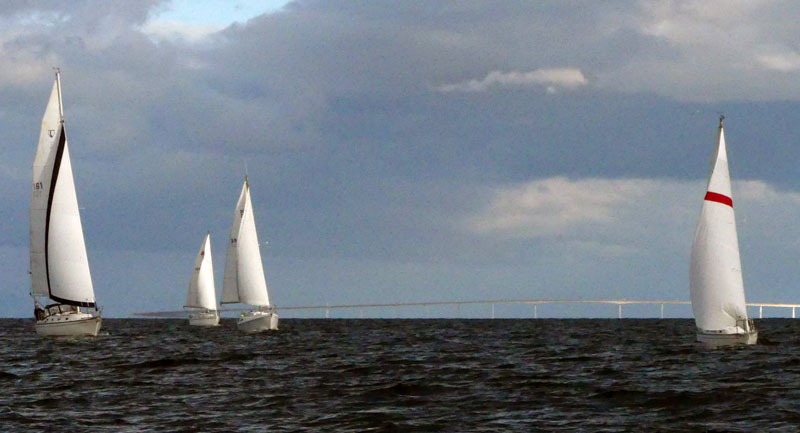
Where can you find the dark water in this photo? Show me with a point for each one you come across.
(400, 375)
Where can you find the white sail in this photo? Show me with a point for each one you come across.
(230, 280)
(202, 293)
(58, 263)
(716, 285)
(244, 273)
(42, 171)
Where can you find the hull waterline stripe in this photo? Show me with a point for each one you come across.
(719, 198)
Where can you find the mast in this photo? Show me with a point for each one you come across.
(60, 104)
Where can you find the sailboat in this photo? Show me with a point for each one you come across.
(59, 266)
(202, 299)
(715, 271)
(244, 280)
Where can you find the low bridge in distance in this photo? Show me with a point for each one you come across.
(492, 302)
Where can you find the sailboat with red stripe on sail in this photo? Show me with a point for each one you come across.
(715, 271)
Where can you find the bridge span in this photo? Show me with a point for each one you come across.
(535, 302)
(491, 302)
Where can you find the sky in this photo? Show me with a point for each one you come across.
(412, 151)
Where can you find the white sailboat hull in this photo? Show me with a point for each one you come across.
(715, 339)
(258, 321)
(205, 318)
(69, 325)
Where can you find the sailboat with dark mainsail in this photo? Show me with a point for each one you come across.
(59, 266)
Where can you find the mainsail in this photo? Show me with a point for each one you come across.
(244, 273)
(201, 285)
(58, 263)
(716, 285)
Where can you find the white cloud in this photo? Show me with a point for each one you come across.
(179, 31)
(757, 191)
(554, 206)
(710, 50)
(22, 67)
(551, 78)
(627, 214)
(701, 22)
(786, 62)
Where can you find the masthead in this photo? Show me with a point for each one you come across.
(58, 86)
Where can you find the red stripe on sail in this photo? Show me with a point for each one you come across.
(719, 198)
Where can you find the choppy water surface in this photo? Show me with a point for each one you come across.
(400, 375)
